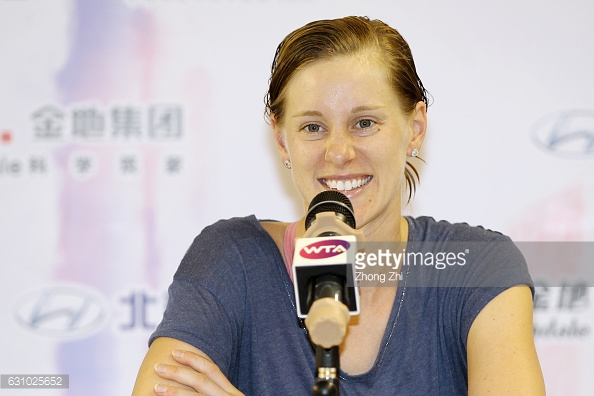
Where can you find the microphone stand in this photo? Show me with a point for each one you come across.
(327, 359)
(327, 363)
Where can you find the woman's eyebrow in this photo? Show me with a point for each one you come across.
(315, 113)
(364, 108)
(308, 113)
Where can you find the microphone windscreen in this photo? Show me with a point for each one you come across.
(331, 201)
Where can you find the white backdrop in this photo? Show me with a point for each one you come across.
(127, 126)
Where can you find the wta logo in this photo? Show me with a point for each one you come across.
(324, 249)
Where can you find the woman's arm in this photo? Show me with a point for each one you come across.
(191, 371)
(502, 357)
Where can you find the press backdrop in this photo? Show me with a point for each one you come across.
(128, 126)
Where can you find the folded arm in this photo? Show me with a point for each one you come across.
(174, 367)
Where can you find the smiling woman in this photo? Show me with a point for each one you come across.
(347, 110)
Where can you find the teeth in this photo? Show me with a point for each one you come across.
(347, 185)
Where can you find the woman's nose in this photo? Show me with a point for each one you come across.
(339, 147)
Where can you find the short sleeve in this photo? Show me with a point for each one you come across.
(497, 265)
(482, 264)
(205, 298)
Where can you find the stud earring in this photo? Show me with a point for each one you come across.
(287, 164)
(414, 153)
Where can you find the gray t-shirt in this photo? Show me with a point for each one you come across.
(233, 298)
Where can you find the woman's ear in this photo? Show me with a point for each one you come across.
(279, 137)
(418, 125)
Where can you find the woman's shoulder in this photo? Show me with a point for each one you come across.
(427, 228)
(233, 224)
(226, 242)
(220, 236)
(238, 228)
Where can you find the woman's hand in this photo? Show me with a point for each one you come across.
(173, 367)
(197, 372)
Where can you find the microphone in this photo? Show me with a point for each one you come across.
(319, 214)
(324, 280)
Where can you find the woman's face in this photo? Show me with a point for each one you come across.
(343, 129)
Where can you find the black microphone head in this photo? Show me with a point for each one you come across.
(331, 201)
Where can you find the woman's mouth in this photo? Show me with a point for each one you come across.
(345, 184)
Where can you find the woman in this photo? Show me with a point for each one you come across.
(347, 109)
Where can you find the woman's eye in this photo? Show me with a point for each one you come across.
(364, 124)
(313, 128)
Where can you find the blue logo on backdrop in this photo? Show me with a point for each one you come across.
(569, 134)
(62, 311)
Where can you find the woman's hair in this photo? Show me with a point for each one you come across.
(324, 39)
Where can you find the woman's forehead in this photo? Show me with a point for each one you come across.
(353, 75)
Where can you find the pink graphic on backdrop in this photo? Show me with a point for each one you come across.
(113, 54)
(559, 217)
(109, 61)
(107, 221)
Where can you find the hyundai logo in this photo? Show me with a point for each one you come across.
(61, 311)
(569, 134)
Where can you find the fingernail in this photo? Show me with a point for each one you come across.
(177, 354)
(159, 388)
(159, 368)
